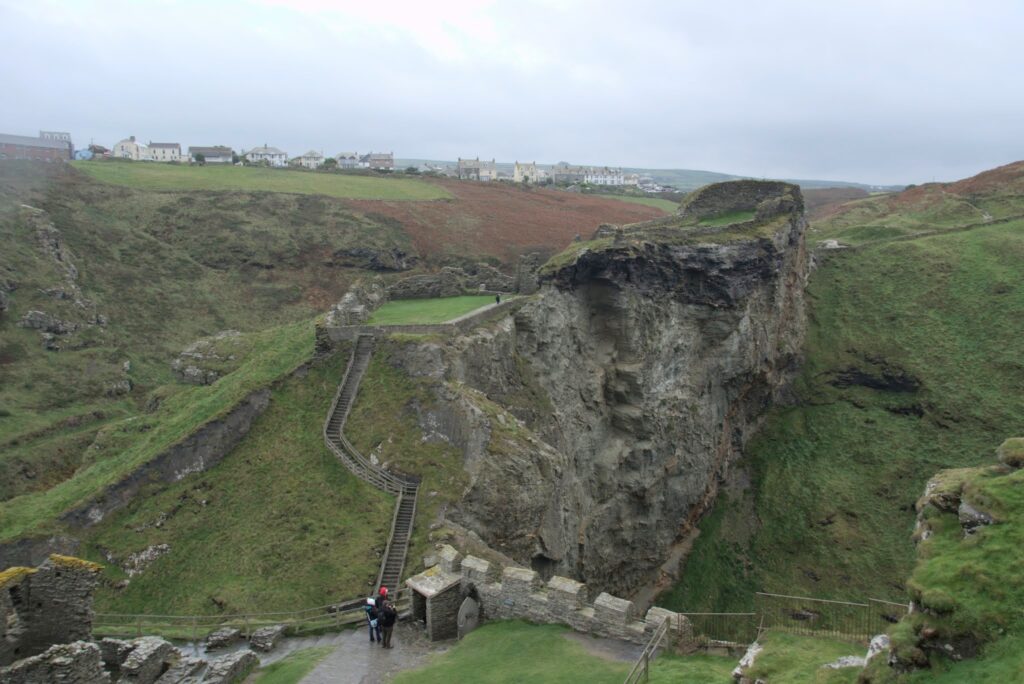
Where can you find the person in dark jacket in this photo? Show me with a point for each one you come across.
(388, 617)
(372, 619)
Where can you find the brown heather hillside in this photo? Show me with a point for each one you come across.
(502, 220)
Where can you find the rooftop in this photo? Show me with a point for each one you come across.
(32, 141)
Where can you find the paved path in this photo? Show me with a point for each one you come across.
(356, 661)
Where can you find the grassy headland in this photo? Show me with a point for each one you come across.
(427, 311)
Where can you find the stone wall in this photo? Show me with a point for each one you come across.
(733, 196)
(200, 451)
(506, 593)
(452, 282)
(48, 605)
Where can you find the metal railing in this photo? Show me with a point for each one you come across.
(807, 616)
(333, 616)
(641, 669)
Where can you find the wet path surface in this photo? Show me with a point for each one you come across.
(356, 661)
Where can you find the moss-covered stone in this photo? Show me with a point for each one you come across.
(1011, 452)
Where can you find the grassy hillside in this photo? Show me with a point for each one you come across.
(913, 365)
(216, 177)
(667, 206)
(280, 524)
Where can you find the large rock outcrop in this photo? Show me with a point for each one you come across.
(635, 376)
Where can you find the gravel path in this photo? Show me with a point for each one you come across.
(356, 661)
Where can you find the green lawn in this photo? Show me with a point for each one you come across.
(696, 668)
(279, 524)
(667, 206)
(293, 667)
(427, 311)
(155, 176)
(834, 479)
(507, 652)
(799, 660)
(728, 219)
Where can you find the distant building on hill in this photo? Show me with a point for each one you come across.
(38, 149)
(165, 152)
(379, 161)
(217, 154)
(130, 148)
(61, 137)
(270, 155)
(474, 169)
(310, 160)
(526, 172)
(603, 176)
(566, 173)
(348, 160)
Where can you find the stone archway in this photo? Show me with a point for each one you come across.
(469, 616)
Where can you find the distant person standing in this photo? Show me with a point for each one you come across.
(388, 617)
(373, 619)
(497, 298)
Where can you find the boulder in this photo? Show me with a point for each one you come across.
(184, 671)
(266, 638)
(222, 638)
(879, 644)
(231, 668)
(971, 518)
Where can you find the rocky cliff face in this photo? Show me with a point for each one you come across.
(635, 377)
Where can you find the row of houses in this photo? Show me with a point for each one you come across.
(47, 146)
(484, 170)
(130, 148)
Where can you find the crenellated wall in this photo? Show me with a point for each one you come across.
(506, 593)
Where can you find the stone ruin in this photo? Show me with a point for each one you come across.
(451, 597)
(46, 636)
(766, 198)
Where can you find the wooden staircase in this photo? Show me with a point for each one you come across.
(406, 489)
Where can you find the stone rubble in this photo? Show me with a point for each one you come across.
(222, 638)
(265, 638)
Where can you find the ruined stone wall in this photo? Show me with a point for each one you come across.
(506, 593)
(200, 451)
(48, 605)
(733, 196)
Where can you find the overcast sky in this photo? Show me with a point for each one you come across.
(878, 92)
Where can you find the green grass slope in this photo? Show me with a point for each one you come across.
(279, 524)
(913, 364)
(162, 269)
(154, 176)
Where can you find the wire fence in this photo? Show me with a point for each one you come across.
(194, 627)
(711, 630)
(802, 615)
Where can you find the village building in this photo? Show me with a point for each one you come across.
(217, 154)
(566, 173)
(130, 148)
(603, 176)
(526, 173)
(348, 160)
(379, 161)
(310, 160)
(164, 152)
(271, 155)
(39, 149)
(61, 137)
(474, 169)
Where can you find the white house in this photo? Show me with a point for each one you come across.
(164, 152)
(271, 155)
(526, 172)
(603, 176)
(310, 160)
(348, 160)
(130, 149)
(217, 154)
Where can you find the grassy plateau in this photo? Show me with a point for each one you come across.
(216, 177)
(427, 311)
